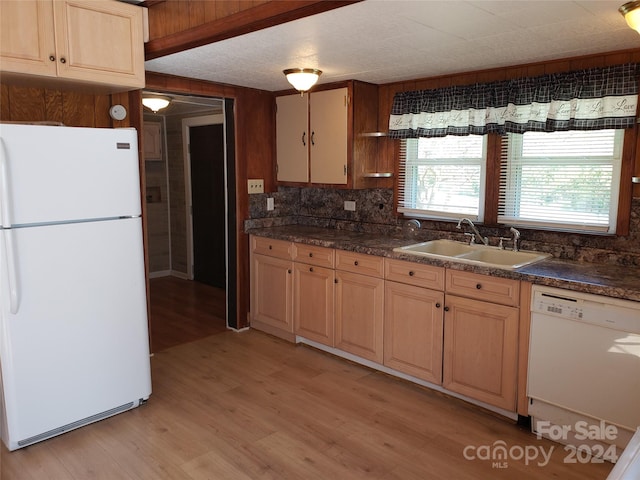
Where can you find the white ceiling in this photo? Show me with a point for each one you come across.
(384, 41)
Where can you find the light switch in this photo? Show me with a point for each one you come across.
(270, 205)
(255, 185)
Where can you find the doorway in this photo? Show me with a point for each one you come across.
(205, 182)
(175, 250)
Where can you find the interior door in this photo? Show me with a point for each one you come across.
(208, 203)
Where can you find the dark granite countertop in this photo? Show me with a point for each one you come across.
(609, 280)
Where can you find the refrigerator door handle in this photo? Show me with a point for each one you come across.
(5, 224)
(9, 255)
(4, 186)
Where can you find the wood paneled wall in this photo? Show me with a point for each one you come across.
(254, 143)
(23, 104)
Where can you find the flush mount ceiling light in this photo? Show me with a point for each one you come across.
(156, 103)
(302, 79)
(631, 13)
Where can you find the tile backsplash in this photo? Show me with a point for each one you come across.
(374, 213)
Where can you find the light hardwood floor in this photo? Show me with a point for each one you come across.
(247, 405)
(250, 406)
(183, 311)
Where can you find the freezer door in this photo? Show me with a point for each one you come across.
(59, 174)
(77, 345)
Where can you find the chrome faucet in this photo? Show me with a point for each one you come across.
(477, 234)
(516, 239)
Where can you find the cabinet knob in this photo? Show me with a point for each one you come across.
(446, 309)
(63, 60)
(311, 269)
(313, 138)
(478, 286)
(335, 280)
(310, 254)
(304, 139)
(411, 273)
(270, 247)
(356, 263)
(289, 271)
(52, 58)
(438, 305)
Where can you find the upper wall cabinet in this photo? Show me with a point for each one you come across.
(292, 125)
(98, 44)
(321, 136)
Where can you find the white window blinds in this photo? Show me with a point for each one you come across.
(442, 177)
(561, 180)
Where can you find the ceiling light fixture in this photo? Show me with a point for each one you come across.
(631, 13)
(156, 103)
(302, 79)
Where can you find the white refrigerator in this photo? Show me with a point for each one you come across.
(74, 346)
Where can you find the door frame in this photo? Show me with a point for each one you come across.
(186, 124)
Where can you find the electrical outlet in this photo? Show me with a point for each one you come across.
(350, 205)
(270, 205)
(255, 185)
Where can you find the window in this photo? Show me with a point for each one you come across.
(561, 180)
(442, 177)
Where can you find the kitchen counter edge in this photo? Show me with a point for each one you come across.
(599, 279)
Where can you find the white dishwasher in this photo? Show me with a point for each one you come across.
(584, 368)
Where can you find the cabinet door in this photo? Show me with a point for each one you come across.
(480, 351)
(100, 42)
(359, 315)
(152, 141)
(271, 292)
(314, 301)
(26, 37)
(292, 138)
(328, 111)
(413, 331)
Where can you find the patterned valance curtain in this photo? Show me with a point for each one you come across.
(599, 98)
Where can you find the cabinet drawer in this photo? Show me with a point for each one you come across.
(483, 287)
(271, 247)
(360, 263)
(412, 273)
(313, 255)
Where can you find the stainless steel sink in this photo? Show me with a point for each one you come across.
(474, 254)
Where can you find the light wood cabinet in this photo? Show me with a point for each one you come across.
(313, 292)
(481, 338)
(311, 137)
(84, 42)
(448, 327)
(483, 287)
(359, 317)
(292, 137)
(416, 274)
(272, 287)
(314, 255)
(319, 136)
(328, 111)
(413, 330)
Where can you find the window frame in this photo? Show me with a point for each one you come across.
(437, 215)
(515, 143)
(492, 183)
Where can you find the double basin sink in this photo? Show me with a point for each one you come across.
(474, 254)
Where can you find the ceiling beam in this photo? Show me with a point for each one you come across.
(246, 21)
